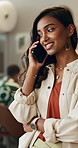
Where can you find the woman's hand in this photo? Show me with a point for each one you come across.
(32, 61)
(27, 128)
(39, 124)
(32, 72)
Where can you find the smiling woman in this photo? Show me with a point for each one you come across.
(48, 98)
(51, 34)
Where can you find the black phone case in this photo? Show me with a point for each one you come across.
(39, 53)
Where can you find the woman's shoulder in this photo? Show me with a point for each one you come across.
(73, 66)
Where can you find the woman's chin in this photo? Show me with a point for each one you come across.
(50, 52)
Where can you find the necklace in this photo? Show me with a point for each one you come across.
(60, 68)
(57, 77)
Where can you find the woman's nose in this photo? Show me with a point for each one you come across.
(45, 37)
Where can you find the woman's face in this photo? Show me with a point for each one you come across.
(53, 35)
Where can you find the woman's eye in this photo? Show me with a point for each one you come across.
(50, 29)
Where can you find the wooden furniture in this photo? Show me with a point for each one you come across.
(11, 126)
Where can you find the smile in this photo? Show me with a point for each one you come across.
(49, 46)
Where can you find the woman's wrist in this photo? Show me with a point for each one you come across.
(33, 76)
(33, 123)
(35, 69)
(40, 124)
(32, 72)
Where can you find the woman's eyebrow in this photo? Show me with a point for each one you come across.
(46, 26)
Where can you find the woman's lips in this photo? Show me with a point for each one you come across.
(49, 46)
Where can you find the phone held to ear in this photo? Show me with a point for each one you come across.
(39, 53)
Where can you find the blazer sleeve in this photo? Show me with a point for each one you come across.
(24, 108)
(65, 130)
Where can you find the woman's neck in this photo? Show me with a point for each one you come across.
(65, 57)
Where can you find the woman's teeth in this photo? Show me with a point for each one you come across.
(48, 46)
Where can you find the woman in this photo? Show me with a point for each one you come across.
(48, 99)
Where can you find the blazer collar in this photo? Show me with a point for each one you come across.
(73, 66)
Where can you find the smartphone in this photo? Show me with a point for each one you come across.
(39, 53)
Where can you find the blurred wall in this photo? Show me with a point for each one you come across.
(27, 11)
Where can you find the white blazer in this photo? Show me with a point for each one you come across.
(65, 129)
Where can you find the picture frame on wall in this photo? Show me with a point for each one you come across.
(22, 41)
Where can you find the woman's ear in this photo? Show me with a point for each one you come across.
(71, 29)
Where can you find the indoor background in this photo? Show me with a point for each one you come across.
(15, 42)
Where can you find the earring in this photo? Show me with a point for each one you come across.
(67, 47)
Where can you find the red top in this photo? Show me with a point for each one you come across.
(53, 105)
